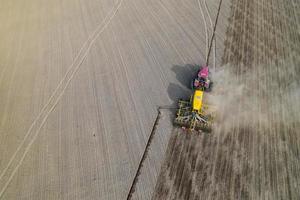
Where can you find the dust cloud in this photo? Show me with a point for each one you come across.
(262, 96)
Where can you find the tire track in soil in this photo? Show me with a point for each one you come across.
(22, 150)
(255, 159)
(206, 31)
(213, 38)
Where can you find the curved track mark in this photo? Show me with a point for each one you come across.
(211, 29)
(138, 171)
(206, 32)
(53, 101)
(214, 30)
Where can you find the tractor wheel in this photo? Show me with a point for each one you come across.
(210, 86)
(192, 85)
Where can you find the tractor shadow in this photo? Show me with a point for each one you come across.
(181, 90)
(185, 74)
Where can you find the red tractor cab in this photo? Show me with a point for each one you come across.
(202, 81)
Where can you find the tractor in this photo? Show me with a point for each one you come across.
(193, 113)
(202, 80)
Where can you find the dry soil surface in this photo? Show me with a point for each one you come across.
(80, 83)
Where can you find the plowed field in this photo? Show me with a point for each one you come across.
(253, 152)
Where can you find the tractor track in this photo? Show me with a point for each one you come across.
(212, 30)
(213, 35)
(206, 31)
(145, 152)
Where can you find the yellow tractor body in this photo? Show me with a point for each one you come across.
(197, 100)
(193, 114)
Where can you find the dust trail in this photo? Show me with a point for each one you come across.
(267, 93)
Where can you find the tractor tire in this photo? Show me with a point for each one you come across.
(192, 85)
(211, 86)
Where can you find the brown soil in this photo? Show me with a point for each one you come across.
(257, 156)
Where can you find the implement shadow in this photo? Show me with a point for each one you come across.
(182, 90)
